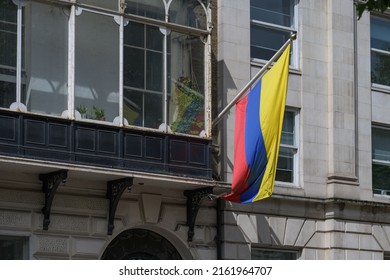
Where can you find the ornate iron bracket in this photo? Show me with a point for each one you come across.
(115, 190)
(50, 184)
(194, 197)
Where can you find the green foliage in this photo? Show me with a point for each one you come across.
(96, 114)
(372, 5)
(82, 109)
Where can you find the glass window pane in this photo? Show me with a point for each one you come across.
(133, 110)
(153, 110)
(46, 58)
(147, 8)
(142, 108)
(285, 167)
(278, 12)
(189, 13)
(133, 68)
(187, 84)
(97, 66)
(13, 248)
(134, 34)
(154, 38)
(154, 71)
(288, 129)
(8, 29)
(380, 33)
(381, 179)
(380, 39)
(8, 38)
(111, 4)
(265, 49)
(380, 68)
(381, 144)
(258, 254)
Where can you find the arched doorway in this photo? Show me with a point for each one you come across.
(140, 244)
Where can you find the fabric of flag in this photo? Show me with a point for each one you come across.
(257, 133)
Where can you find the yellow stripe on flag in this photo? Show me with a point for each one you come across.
(272, 104)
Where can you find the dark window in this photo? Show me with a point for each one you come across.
(13, 248)
(268, 254)
(273, 20)
(381, 160)
(380, 51)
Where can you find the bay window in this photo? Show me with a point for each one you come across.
(126, 62)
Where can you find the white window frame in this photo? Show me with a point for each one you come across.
(295, 148)
(294, 50)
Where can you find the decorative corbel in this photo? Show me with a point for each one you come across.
(194, 198)
(115, 190)
(50, 184)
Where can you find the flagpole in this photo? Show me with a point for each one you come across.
(254, 79)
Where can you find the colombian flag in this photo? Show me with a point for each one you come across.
(257, 132)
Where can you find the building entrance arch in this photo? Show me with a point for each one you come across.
(140, 244)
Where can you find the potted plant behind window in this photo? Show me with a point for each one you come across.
(190, 117)
(82, 110)
(98, 114)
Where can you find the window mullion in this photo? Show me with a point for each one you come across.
(165, 71)
(71, 61)
(121, 60)
(19, 53)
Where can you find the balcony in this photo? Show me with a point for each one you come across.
(99, 145)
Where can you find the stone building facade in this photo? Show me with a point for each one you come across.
(331, 209)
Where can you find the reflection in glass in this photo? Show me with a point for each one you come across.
(147, 8)
(143, 75)
(186, 108)
(265, 49)
(111, 4)
(142, 108)
(285, 167)
(380, 40)
(97, 66)
(277, 11)
(45, 59)
(190, 13)
(380, 68)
